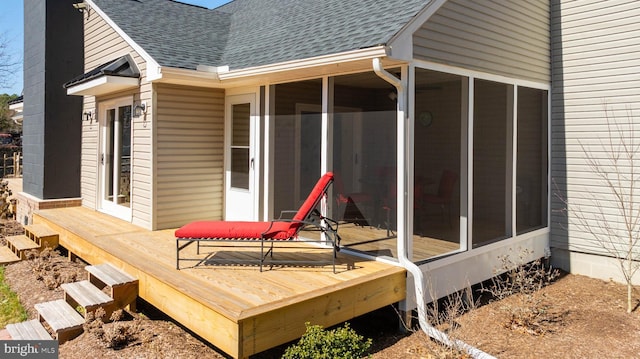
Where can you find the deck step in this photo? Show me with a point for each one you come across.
(64, 321)
(42, 234)
(88, 296)
(7, 256)
(29, 330)
(123, 287)
(20, 244)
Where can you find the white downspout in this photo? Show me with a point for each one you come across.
(418, 277)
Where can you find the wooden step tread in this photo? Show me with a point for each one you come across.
(40, 230)
(7, 256)
(86, 294)
(110, 275)
(21, 243)
(29, 330)
(59, 315)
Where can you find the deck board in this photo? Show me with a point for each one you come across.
(237, 308)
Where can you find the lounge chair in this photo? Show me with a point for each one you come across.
(266, 233)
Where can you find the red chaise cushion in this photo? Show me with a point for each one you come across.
(223, 229)
(255, 230)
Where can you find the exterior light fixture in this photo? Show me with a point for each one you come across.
(81, 6)
(140, 109)
(88, 116)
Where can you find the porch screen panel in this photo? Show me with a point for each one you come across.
(532, 154)
(240, 137)
(296, 146)
(492, 162)
(364, 142)
(439, 120)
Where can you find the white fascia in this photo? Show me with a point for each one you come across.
(348, 56)
(153, 68)
(203, 76)
(18, 106)
(103, 84)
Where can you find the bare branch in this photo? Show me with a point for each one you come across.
(617, 233)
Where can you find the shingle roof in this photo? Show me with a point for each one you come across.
(248, 33)
(16, 100)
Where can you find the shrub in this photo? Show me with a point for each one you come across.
(529, 313)
(317, 343)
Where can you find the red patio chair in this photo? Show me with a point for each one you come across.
(266, 232)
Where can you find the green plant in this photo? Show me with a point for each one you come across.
(11, 311)
(318, 343)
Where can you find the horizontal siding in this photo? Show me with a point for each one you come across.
(509, 38)
(189, 154)
(596, 80)
(103, 44)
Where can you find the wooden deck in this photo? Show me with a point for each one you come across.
(236, 308)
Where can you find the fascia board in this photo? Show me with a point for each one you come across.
(355, 55)
(187, 77)
(17, 106)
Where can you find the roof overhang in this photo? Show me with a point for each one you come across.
(16, 106)
(103, 85)
(314, 67)
(16, 109)
(116, 75)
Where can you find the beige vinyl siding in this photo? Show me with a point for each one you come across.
(189, 155)
(508, 38)
(103, 44)
(596, 75)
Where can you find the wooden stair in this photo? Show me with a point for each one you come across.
(63, 319)
(36, 236)
(42, 235)
(7, 256)
(20, 244)
(29, 330)
(87, 296)
(63, 316)
(123, 288)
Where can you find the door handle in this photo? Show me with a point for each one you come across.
(251, 163)
(102, 158)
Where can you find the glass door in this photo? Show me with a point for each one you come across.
(115, 159)
(240, 199)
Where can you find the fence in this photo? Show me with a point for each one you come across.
(11, 165)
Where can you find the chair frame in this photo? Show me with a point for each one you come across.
(327, 226)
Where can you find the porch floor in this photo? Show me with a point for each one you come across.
(239, 309)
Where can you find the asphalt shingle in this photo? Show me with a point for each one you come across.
(248, 33)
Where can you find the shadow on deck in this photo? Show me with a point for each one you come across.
(236, 308)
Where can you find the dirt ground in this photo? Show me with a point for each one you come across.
(579, 317)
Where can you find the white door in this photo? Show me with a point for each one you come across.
(240, 172)
(115, 159)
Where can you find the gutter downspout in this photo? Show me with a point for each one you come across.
(412, 268)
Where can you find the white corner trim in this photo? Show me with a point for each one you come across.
(153, 68)
(354, 55)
